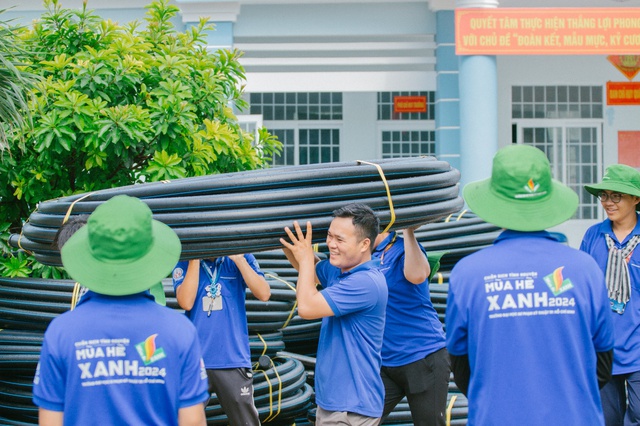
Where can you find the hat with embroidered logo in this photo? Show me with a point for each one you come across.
(521, 193)
(121, 250)
(618, 178)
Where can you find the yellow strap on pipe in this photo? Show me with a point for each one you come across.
(449, 408)
(268, 419)
(386, 185)
(66, 216)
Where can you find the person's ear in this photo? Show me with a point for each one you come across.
(365, 245)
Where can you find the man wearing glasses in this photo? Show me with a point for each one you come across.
(612, 243)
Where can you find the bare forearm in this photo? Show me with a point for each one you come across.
(311, 303)
(192, 416)
(187, 291)
(256, 282)
(307, 291)
(416, 265)
(50, 418)
(291, 258)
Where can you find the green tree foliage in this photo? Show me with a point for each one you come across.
(14, 82)
(122, 104)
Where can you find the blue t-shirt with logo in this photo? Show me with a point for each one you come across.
(531, 314)
(224, 335)
(348, 363)
(626, 352)
(115, 359)
(412, 329)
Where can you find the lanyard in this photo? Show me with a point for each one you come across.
(218, 266)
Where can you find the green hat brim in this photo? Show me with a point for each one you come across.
(120, 278)
(521, 215)
(615, 186)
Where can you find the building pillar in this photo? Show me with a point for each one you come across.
(447, 103)
(478, 109)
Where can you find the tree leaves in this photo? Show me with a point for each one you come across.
(121, 104)
(125, 104)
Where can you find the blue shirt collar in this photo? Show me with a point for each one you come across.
(606, 228)
(128, 297)
(508, 234)
(371, 264)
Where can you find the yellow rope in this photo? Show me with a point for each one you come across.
(270, 395)
(264, 350)
(293, 309)
(287, 283)
(448, 218)
(76, 286)
(440, 278)
(20, 244)
(74, 295)
(268, 419)
(386, 185)
(295, 304)
(66, 216)
(449, 408)
(461, 214)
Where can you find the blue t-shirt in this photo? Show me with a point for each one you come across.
(115, 359)
(224, 335)
(348, 363)
(626, 352)
(412, 329)
(531, 313)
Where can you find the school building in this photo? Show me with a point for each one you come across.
(366, 79)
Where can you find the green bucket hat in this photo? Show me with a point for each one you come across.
(521, 194)
(121, 250)
(618, 178)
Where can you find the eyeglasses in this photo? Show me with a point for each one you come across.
(614, 197)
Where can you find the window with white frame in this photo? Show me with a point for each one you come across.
(307, 124)
(405, 143)
(566, 123)
(406, 134)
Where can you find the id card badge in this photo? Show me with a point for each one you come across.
(617, 306)
(211, 304)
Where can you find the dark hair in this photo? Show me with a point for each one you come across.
(364, 219)
(68, 228)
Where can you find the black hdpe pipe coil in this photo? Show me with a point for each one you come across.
(276, 404)
(280, 393)
(51, 213)
(273, 376)
(215, 216)
(437, 184)
(212, 241)
(42, 227)
(278, 412)
(222, 219)
(307, 175)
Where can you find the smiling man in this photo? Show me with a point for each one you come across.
(349, 390)
(612, 243)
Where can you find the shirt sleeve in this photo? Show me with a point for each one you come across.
(194, 383)
(456, 322)
(49, 383)
(603, 338)
(251, 260)
(178, 274)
